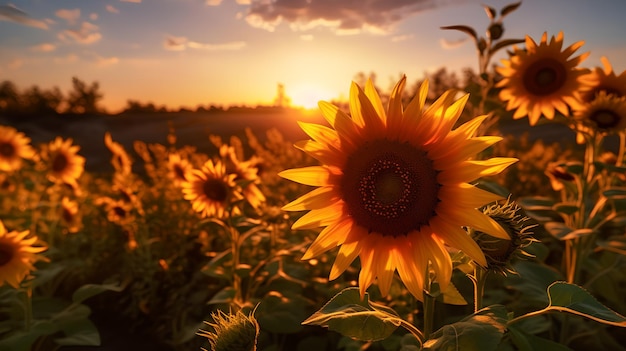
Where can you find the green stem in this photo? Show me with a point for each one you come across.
(413, 330)
(28, 303)
(235, 250)
(429, 313)
(479, 278)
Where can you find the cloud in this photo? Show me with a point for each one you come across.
(306, 37)
(112, 9)
(133, 1)
(16, 63)
(344, 16)
(106, 61)
(174, 43)
(13, 14)
(399, 38)
(87, 33)
(93, 16)
(70, 58)
(45, 47)
(213, 2)
(71, 16)
(452, 44)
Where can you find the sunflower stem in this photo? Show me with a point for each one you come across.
(429, 309)
(235, 250)
(28, 303)
(479, 280)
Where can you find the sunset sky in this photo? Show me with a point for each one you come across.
(191, 52)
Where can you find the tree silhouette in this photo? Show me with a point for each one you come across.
(42, 102)
(84, 99)
(9, 98)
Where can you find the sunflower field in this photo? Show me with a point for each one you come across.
(402, 221)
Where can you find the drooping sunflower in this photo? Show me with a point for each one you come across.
(14, 147)
(246, 173)
(69, 215)
(178, 168)
(63, 162)
(394, 186)
(17, 255)
(120, 160)
(605, 114)
(211, 190)
(605, 80)
(542, 78)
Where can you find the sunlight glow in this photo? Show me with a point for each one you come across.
(307, 96)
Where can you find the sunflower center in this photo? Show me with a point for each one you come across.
(390, 187)
(59, 163)
(119, 211)
(605, 119)
(179, 172)
(215, 190)
(7, 149)
(6, 253)
(545, 77)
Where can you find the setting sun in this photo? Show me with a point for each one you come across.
(307, 95)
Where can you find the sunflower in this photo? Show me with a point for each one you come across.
(69, 215)
(542, 78)
(64, 164)
(118, 211)
(17, 256)
(14, 146)
(178, 168)
(605, 113)
(394, 186)
(121, 161)
(246, 173)
(211, 190)
(606, 81)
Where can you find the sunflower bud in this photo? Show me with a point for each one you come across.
(495, 31)
(232, 332)
(499, 252)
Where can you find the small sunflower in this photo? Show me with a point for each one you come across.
(14, 147)
(500, 252)
(63, 162)
(118, 211)
(17, 256)
(69, 215)
(559, 175)
(178, 168)
(211, 190)
(605, 80)
(121, 161)
(605, 114)
(246, 172)
(394, 186)
(542, 78)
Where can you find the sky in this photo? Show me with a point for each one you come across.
(185, 53)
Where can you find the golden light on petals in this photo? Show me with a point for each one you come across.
(63, 162)
(605, 80)
(14, 147)
(245, 174)
(542, 79)
(211, 190)
(18, 253)
(178, 168)
(393, 186)
(120, 159)
(605, 113)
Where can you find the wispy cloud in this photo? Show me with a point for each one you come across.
(213, 2)
(87, 33)
(112, 9)
(16, 63)
(399, 38)
(69, 58)
(174, 43)
(71, 16)
(93, 16)
(133, 1)
(343, 16)
(452, 44)
(13, 14)
(45, 47)
(106, 61)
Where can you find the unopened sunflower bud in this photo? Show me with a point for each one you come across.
(499, 252)
(495, 31)
(232, 332)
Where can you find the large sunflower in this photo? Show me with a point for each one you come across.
(605, 80)
(64, 163)
(17, 256)
(14, 146)
(246, 173)
(542, 78)
(394, 186)
(211, 190)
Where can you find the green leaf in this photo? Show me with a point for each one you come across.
(80, 333)
(481, 331)
(509, 8)
(528, 342)
(491, 12)
(504, 43)
(215, 268)
(465, 29)
(89, 290)
(225, 295)
(565, 297)
(567, 208)
(281, 313)
(613, 192)
(347, 314)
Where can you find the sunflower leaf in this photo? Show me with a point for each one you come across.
(347, 314)
(509, 8)
(465, 29)
(504, 43)
(481, 331)
(571, 298)
(491, 12)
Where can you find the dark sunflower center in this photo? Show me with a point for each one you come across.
(544, 77)
(608, 90)
(179, 172)
(119, 211)
(215, 190)
(67, 215)
(6, 253)
(605, 119)
(390, 187)
(7, 149)
(59, 163)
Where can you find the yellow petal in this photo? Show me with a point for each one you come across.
(313, 175)
(374, 98)
(468, 171)
(318, 218)
(347, 253)
(458, 238)
(313, 200)
(333, 235)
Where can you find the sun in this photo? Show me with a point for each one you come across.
(307, 95)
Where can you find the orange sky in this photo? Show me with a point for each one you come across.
(186, 53)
